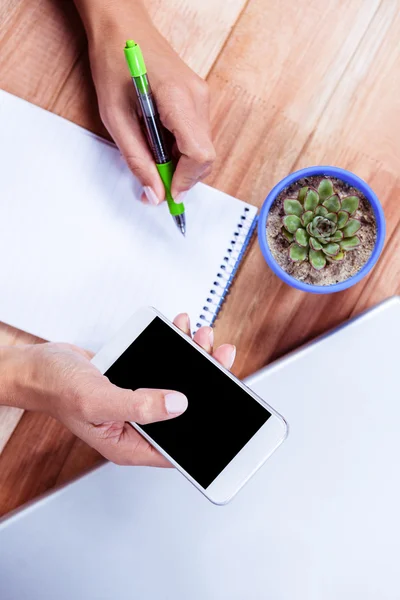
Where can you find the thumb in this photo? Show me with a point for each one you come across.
(141, 406)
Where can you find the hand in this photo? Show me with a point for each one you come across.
(181, 97)
(60, 379)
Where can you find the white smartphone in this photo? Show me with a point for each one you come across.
(226, 433)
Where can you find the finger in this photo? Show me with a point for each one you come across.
(134, 449)
(182, 321)
(225, 355)
(111, 403)
(134, 149)
(189, 171)
(204, 337)
(128, 447)
(188, 120)
(124, 127)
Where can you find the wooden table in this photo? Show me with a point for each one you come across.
(293, 84)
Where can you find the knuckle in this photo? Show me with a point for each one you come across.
(119, 458)
(124, 455)
(204, 174)
(144, 406)
(85, 401)
(112, 453)
(204, 156)
(169, 92)
(137, 165)
(189, 90)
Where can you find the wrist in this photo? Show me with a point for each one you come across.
(21, 377)
(11, 376)
(121, 19)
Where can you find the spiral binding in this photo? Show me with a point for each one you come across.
(228, 269)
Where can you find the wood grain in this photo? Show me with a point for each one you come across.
(293, 99)
(55, 75)
(293, 84)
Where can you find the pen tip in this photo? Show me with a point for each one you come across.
(180, 222)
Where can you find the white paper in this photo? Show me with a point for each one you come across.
(79, 251)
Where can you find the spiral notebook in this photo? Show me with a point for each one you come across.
(80, 252)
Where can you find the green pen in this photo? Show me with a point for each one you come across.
(154, 129)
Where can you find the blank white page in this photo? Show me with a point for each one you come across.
(80, 252)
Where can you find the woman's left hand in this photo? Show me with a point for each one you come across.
(61, 380)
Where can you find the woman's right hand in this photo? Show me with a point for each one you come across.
(181, 96)
(60, 380)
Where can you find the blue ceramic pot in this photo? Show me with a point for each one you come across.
(352, 180)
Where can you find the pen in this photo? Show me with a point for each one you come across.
(154, 129)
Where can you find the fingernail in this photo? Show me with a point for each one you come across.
(175, 403)
(233, 356)
(211, 337)
(151, 195)
(180, 197)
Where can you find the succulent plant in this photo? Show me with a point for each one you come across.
(320, 225)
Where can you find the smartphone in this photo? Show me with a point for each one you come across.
(225, 434)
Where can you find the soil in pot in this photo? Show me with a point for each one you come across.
(335, 271)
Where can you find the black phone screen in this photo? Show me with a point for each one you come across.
(221, 417)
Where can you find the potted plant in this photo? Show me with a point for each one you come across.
(321, 229)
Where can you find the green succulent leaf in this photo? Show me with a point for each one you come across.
(332, 203)
(350, 243)
(321, 211)
(332, 217)
(288, 236)
(291, 223)
(350, 204)
(310, 230)
(343, 217)
(351, 228)
(297, 253)
(317, 259)
(302, 194)
(314, 244)
(336, 237)
(323, 227)
(307, 217)
(318, 221)
(311, 201)
(325, 189)
(293, 207)
(301, 237)
(339, 256)
(331, 249)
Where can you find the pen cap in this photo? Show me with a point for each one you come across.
(134, 58)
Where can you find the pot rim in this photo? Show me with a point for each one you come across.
(347, 177)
